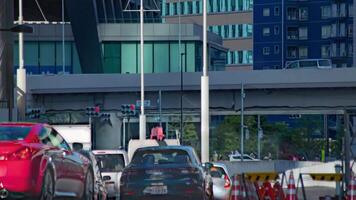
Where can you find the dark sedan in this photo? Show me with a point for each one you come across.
(165, 172)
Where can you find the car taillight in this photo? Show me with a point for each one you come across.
(227, 182)
(22, 154)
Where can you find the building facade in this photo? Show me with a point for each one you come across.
(231, 19)
(103, 37)
(296, 29)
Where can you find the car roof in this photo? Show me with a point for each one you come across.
(109, 151)
(29, 124)
(174, 147)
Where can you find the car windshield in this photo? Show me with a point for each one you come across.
(217, 172)
(9, 133)
(110, 162)
(161, 157)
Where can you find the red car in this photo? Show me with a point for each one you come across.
(36, 162)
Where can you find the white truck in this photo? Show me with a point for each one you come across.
(75, 133)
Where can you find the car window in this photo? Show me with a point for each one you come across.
(44, 136)
(324, 63)
(11, 133)
(217, 172)
(293, 65)
(51, 137)
(110, 162)
(311, 63)
(161, 157)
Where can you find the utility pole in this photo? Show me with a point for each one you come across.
(259, 136)
(63, 44)
(242, 120)
(21, 74)
(205, 95)
(142, 114)
(142, 117)
(181, 97)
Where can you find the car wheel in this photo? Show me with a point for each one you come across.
(89, 187)
(47, 191)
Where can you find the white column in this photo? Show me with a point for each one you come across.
(142, 115)
(205, 95)
(21, 75)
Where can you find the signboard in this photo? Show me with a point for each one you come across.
(146, 103)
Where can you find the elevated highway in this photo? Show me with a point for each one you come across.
(267, 91)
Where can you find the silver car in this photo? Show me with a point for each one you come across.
(111, 163)
(221, 181)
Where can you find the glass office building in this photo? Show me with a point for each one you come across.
(231, 19)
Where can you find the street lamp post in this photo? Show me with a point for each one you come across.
(181, 97)
(142, 118)
(205, 95)
(21, 74)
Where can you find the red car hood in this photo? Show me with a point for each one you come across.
(10, 146)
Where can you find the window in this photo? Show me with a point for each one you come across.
(325, 31)
(343, 10)
(276, 49)
(266, 50)
(342, 30)
(276, 30)
(190, 7)
(334, 11)
(266, 31)
(303, 14)
(266, 12)
(350, 30)
(292, 33)
(325, 12)
(343, 51)
(292, 52)
(350, 50)
(14, 133)
(292, 13)
(303, 33)
(276, 11)
(161, 57)
(351, 10)
(333, 30)
(325, 51)
(303, 52)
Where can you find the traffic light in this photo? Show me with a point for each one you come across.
(93, 111)
(128, 109)
(33, 113)
(295, 116)
(105, 117)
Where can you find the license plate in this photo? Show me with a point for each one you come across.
(156, 190)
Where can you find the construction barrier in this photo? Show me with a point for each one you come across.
(331, 177)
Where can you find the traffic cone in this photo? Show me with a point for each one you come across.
(351, 189)
(291, 191)
(236, 188)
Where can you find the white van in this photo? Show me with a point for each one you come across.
(309, 63)
(111, 164)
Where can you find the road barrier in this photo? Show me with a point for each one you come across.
(331, 177)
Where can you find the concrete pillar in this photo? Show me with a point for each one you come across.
(6, 55)
(354, 36)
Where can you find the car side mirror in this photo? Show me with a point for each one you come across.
(207, 166)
